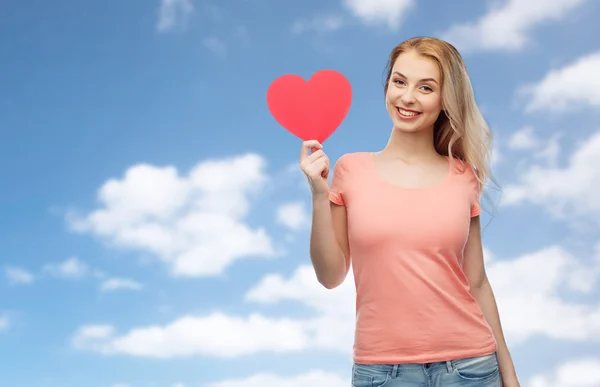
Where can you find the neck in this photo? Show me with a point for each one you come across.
(411, 147)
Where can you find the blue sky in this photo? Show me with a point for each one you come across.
(154, 222)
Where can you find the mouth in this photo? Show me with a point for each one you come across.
(407, 114)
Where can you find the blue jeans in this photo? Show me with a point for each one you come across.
(481, 371)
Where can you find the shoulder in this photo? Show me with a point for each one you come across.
(353, 159)
(466, 171)
(348, 165)
(462, 167)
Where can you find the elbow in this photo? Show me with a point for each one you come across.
(329, 283)
(478, 283)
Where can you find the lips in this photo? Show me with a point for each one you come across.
(407, 112)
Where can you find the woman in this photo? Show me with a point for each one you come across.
(409, 218)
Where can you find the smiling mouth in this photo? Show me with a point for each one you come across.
(407, 113)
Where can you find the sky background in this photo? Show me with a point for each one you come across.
(154, 219)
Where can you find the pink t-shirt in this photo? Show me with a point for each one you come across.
(413, 303)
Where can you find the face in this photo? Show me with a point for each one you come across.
(413, 98)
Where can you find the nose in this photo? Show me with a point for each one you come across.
(408, 97)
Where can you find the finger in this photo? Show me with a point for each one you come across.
(325, 172)
(318, 169)
(309, 145)
(315, 156)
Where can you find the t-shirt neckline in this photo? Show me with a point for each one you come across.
(379, 177)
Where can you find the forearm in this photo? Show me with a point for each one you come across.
(487, 302)
(325, 252)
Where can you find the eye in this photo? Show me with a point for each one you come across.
(399, 81)
(427, 88)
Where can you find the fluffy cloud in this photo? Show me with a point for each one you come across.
(293, 216)
(214, 335)
(505, 26)
(528, 308)
(113, 284)
(226, 336)
(531, 308)
(564, 191)
(310, 378)
(173, 12)
(523, 139)
(69, 268)
(538, 149)
(576, 373)
(194, 223)
(573, 86)
(18, 276)
(373, 12)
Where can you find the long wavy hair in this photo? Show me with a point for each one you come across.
(460, 131)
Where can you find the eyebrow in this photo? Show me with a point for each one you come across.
(422, 80)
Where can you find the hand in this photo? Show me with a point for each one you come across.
(315, 166)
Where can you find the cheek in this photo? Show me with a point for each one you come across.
(389, 95)
(433, 105)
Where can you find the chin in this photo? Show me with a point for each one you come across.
(411, 126)
(403, 128)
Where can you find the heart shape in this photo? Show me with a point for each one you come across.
(310, 110)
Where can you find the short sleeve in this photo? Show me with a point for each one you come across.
(338, 180)
(475, 204)
(475, 207)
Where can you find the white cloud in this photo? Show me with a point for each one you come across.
(194, 223)
(506, 26)
(310, 378)
(69, 268)
(373, 12)
(113, 284)
(303, 288)
(497, 156)
(4, 323)
(92, 336)
(564, 191)
(523, 138)
(546, 150)
(550, 153)
(528, 308)
(214, 335)
(173, 12)
(17, 275)
(574, 86)
(225, 336)
(293, 216)
(583, 372)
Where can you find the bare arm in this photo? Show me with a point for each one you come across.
(482, 292)
(329, 251)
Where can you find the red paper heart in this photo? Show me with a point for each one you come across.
(310, 110)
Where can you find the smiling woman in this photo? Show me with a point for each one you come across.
(406, 219)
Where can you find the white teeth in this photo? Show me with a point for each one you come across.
(406, 113)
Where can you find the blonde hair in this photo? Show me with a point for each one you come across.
(461, 130)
